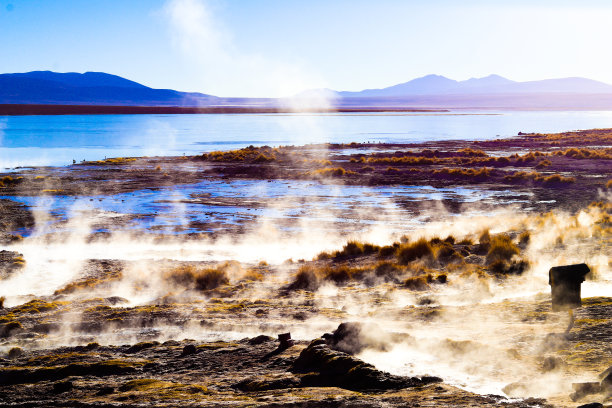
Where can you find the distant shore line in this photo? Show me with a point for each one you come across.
(40, 109)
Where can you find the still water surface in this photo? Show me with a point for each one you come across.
(57, 140)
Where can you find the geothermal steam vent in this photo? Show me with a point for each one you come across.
(565, 284)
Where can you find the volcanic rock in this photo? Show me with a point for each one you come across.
(188, 350)
(581, 390)
(62, 386)
(351, 338)
(10, 261)
(325, 367)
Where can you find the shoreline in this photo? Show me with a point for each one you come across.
(40, 109)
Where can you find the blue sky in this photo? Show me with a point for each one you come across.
(276, 48)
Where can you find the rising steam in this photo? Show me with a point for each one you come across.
(224, 69)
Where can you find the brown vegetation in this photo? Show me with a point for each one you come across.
(523, 176)
(198, 278)
(463, 174)
(412, 251)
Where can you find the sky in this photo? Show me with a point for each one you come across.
(271, 48)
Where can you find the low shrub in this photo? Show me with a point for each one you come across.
(505, 267)
(351, 249)
(501, 248)
(466, 241)
(556, 179)
(306, 278)
(534, 176)
(392, 170)
(543, 164)
(329, 172)
(387, 251)
(199, 278)
(387, 270)
(524, 238)
(412, 251)
(469, 152)
(355, 248)
(444, 252)
(417, 282)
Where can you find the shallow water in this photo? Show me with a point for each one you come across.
(215, 206)
(58, 140)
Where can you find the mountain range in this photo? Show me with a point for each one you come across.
(492, 84)
(431, 91)
(90, 88)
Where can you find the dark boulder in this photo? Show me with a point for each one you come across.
(606, 382)
(325, 367)
(188, 350)
(10, 329)
(15, 353)
(254, 341)
(62, 386)
(354, 337)
(106, 390)
(582, 390)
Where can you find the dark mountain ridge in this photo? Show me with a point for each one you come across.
(90, 88)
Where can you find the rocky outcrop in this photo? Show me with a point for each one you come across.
(322, 366)
(353, 337)
(10, 262)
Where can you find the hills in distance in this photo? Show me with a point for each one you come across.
(492, 84)
(433, 91)
(90, 88)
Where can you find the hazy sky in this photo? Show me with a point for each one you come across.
(280, 47)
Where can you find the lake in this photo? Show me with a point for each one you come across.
(57, 140)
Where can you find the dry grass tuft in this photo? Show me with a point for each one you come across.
(469, 152)
(199, 278)
(305, 279)
(417, 282)
(534, 176)
(544, 163)
(330, 172)
(501, 248)
(412, 251)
